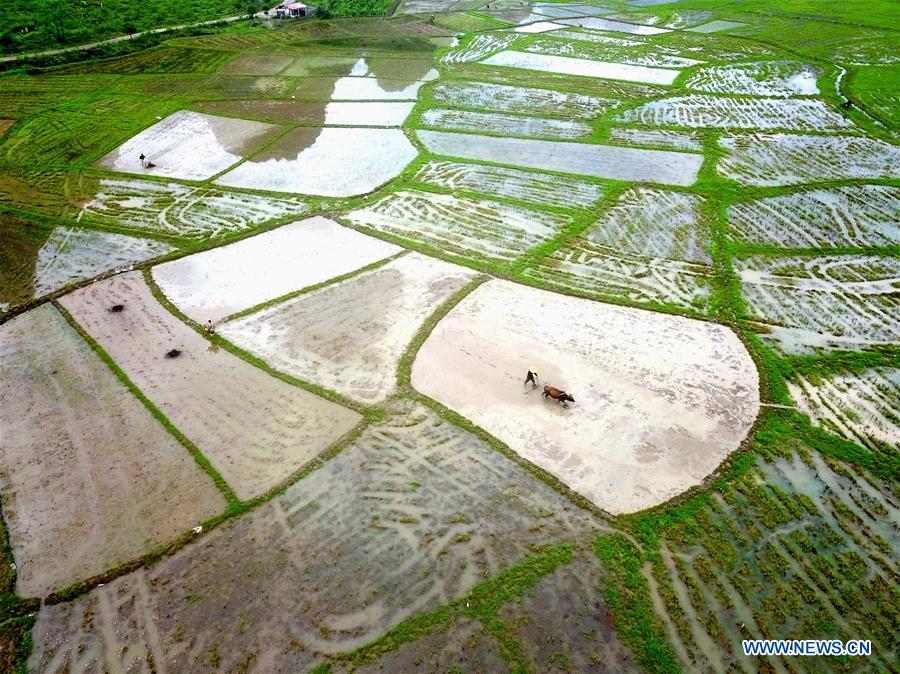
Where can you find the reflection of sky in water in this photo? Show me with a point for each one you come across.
(327, 162)
(383, 79)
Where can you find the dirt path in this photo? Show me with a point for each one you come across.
(121, 38)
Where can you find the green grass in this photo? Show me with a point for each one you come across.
(627, 596)
(67, 117)
(34, 25)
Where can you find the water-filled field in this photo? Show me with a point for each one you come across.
(270, 291)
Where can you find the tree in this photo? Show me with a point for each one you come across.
(55, 16)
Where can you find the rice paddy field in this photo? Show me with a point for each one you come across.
(269, 293)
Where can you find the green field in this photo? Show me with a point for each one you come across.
(745, 177)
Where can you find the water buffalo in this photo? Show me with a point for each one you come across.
(558, 395)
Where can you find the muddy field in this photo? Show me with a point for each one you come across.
(411, 515)
(256, 430)
(506, 125)
(653, 415)
(217, 283)
(90, 479)
(339, 337)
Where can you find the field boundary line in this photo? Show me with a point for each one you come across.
(195, 452)
(256, 308)
(246, 356)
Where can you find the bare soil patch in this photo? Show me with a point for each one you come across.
(256, 430)
(217, 283)
(89, 478)
(408, 517)
(661, 400)
(343, 338)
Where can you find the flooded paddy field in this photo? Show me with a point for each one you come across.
(801, 544)
(672, 140)
(341, 113)
(507, 125)
(507, 98)
(860, 216)
(412, 514)
(582, 67)
(861, 407)
(632, 53)
(339, 338)
(527, 186)
(693, 233)
(601, 161)
(44, 261)
(762, 78)
(797, 296)
(121, 482)
(217, 283)
(784, 159)
(170, 208)
(461, 225)
(256, 430)
(604, 272)
(737, 113)
(665, 438)
(325, 161)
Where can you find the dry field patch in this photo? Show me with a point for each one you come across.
(219, 282)
(349, 336)
(89, 478)
(410, 516)
(256, 430)
(189, 145)
(661, 400)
